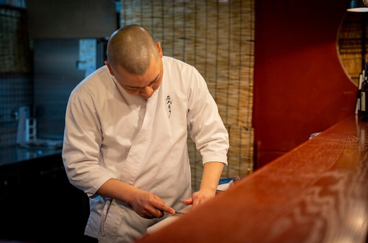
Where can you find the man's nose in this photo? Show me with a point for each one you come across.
(146, 91)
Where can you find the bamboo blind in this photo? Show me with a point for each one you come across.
(352, 44)
(217, 37)
(15, 54)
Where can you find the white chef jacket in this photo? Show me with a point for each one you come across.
(112, 134)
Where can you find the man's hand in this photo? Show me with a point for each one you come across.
(148, 205)
(145, 204)
(199, 197)
(209, 183)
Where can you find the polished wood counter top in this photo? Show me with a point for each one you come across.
(318, 192)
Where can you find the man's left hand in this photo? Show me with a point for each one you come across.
(199, 197)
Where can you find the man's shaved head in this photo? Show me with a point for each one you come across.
(132, 48)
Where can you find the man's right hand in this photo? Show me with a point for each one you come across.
(144, 203)
(148, 205)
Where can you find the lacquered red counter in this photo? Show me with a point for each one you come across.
(318, 192)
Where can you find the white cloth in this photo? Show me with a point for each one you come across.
(112, 134)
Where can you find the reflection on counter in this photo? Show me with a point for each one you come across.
(42, 144)
(15, 154)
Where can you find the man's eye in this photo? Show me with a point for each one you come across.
(132, 88)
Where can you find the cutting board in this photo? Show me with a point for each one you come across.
(168, 220)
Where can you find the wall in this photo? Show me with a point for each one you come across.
(71, 19)
(300, 86)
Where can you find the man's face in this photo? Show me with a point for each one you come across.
(141, 85)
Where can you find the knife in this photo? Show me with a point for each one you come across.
(176, 212)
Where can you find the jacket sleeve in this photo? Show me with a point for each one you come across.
(206, 127)
(82, 141)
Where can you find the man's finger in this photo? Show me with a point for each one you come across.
(188, 201)
(162, 206)
(166, 208)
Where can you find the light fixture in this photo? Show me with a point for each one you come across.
(358, 6)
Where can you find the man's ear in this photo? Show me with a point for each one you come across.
(109, 67)
(159, 49)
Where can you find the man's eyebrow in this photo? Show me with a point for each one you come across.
(155, 79)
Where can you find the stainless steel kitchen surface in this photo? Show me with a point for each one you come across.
(55, 75)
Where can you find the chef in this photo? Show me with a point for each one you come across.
(125, 141)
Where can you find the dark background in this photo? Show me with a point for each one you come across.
(300, 86)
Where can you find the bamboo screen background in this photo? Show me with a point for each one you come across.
(352, 44)
(217, 37)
